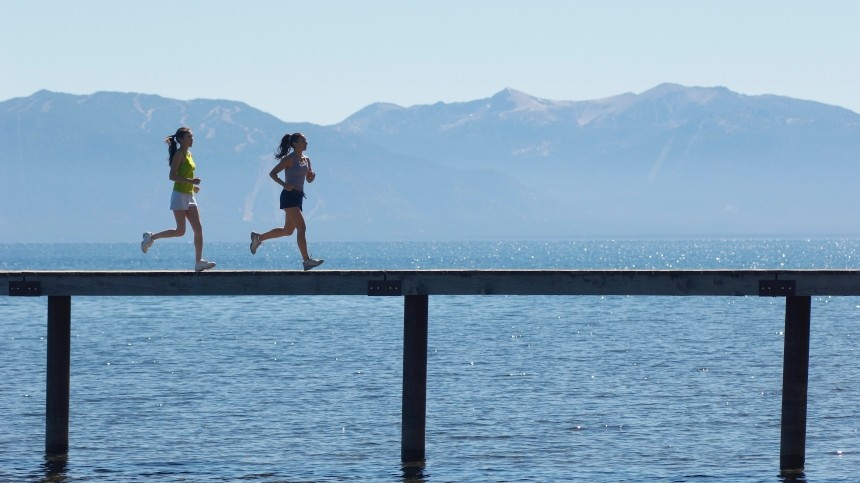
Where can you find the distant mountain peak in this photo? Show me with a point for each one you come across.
(511, 93)
(510, 99)
(694, 94)
(666, 88)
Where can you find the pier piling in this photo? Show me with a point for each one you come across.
(795, 378)
(58, 369)
(414, 415)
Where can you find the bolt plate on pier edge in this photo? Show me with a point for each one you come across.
(384, 287)
(25, 289)
(776, 288)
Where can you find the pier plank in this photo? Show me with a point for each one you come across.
(436, 282)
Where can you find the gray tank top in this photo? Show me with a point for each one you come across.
(295, 175)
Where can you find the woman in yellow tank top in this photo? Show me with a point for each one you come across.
(182, 200)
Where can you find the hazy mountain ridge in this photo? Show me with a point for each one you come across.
(667, 108)
(671, 161)
(100, 167)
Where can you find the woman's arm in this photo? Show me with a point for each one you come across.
(310, 176)
(178, 158)
(277, 170)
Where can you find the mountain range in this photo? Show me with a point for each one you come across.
(673, 161)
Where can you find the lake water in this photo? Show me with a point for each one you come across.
(591, 389)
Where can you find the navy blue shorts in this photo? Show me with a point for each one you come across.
(291, 199)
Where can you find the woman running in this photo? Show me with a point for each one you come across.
(182, 200)
(297, 168)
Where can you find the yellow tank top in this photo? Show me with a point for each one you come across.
(186, 170)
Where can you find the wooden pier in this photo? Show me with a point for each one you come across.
(415, 286)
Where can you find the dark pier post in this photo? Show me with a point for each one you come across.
(795, 377)
(414, 378)
(59, 361)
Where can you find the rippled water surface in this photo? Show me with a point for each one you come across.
(519, 388)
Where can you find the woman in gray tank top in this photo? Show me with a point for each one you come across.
(297, 169)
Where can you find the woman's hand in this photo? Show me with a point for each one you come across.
(311, 176)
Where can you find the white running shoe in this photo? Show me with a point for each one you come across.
(203, 265)
(147, 242)
(311, 263)
(255, 242)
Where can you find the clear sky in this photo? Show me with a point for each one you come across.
(320, 61)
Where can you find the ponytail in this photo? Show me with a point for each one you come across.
(287, 144)
(173, 142)
(171, 147)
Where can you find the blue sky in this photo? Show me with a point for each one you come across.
(320, 61)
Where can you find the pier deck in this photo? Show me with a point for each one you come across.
(440, 282)
(415, 286)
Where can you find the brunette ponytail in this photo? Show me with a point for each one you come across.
(287, 144)
(173, 142)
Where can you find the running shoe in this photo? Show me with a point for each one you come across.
(203, 265)
(255, 242)
(311, 263)
(147, 242)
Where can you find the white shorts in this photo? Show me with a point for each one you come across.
(182, 201)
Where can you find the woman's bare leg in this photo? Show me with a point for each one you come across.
(286, 230)
(176, 232)
(193, 216)
(297, 220)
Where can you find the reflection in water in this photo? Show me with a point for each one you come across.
(54, 468)
(413, 472)
(792, 476)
